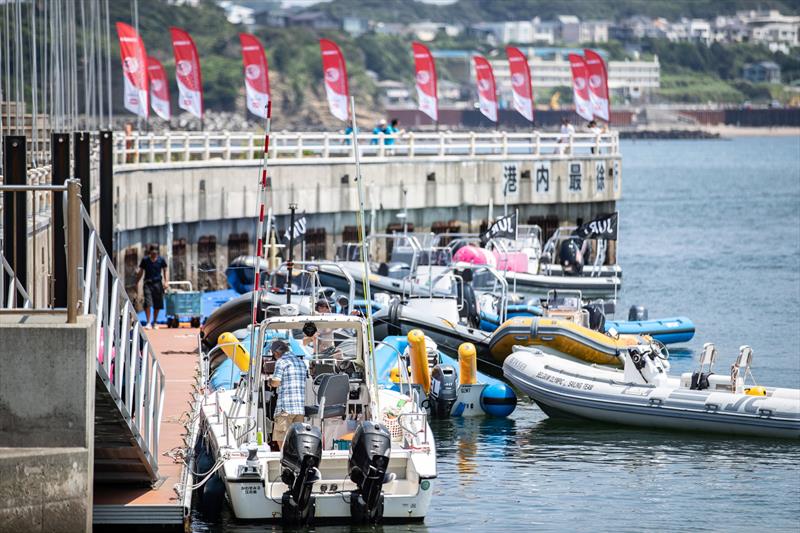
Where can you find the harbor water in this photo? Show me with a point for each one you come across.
(710, 230)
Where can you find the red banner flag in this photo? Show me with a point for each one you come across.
(580, 86)
(134, 68)
(187, 72)
(521, 87)
(256, 74)
(487, 91)
(426, 81)
(334, 72)
(159, 88)
(598, 84)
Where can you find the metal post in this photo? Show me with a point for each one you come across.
(107, 190)
(73, 247)
(290, 263)
(15, 211)
(83, 167)
(59, 146)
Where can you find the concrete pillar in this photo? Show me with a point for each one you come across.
(47, 380)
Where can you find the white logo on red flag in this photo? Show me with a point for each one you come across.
(487, 92)
(159, 88)
(187, 72)
(426, 80)
(133, 57)
(580, 90)
(598, 84)
(520, 82)
(256, 74)
(335, 79)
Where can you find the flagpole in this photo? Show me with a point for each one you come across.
(290, 263)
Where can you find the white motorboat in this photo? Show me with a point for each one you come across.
(361, 454)
(643, 393)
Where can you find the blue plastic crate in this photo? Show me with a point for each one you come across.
(184, 303)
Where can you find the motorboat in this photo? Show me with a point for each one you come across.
(533, 268)
(449, 387)
(644, 394)
(570, 305)
(362, 453)
(410, 266)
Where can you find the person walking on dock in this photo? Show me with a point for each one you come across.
(154, 269)
(289, 378)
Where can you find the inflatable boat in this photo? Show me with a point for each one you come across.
(643, 393)
(673, 330)
(560, 336)
(457, 388)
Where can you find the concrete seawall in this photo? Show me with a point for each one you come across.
(212, 204)
(47, 378)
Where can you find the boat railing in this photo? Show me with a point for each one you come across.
(312, 268)
(126, 362)
(417, 423)
(175, 147)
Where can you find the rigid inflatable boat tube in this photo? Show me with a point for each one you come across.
(234, 350)
(468, 364)
(420, 373)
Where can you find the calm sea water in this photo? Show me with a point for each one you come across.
(709, 230)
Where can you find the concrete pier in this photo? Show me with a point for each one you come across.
(47, 380)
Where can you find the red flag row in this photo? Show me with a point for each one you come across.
(146, 82)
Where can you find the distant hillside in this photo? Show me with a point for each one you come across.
(470, 11)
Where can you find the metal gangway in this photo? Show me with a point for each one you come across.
(129, 385)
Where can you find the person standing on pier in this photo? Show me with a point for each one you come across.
(154, 269)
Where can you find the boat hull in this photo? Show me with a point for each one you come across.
(563, 389)
(590, 287)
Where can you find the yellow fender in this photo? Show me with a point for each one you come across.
(234, 350)
(468, 364)
(420, 373)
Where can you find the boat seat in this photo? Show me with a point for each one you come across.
(701, 380)
(332, 395)
(741, 368)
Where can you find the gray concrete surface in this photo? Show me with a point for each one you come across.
(47, 377)
(45, 489)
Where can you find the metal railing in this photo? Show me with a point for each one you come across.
(172, 147)
(19, 295)
(126, 361)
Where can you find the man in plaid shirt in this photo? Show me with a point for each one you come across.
(290, 380)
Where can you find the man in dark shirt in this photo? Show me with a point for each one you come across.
(154, 269)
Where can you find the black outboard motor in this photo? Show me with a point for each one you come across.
(637, 312)
(302, 453)
(571, 257)
(369, 459)
(444, 390)
(597, 319)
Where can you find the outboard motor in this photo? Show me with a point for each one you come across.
(302, 453)
(637, 312)
(571, 257)
(369, 459)
(444, 390)
(597, 319)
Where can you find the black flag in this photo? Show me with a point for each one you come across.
(604, 227)
(299, 231)
(505, 227)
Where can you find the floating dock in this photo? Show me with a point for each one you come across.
(166, 503)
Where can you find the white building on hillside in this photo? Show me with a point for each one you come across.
(630, 78)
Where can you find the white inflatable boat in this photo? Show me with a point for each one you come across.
(643, 394)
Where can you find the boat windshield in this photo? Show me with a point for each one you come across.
(320, 339)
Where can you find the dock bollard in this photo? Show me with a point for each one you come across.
(468, 364)
(420, 373)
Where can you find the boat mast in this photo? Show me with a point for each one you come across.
(254, 369)
(360, 218)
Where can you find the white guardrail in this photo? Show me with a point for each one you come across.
(204, 146)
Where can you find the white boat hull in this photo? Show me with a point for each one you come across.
(568, 389)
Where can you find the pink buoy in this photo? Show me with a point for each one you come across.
(474, 256)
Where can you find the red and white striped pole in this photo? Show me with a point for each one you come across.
(255, 352)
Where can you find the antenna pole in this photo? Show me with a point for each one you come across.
(363, 241)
